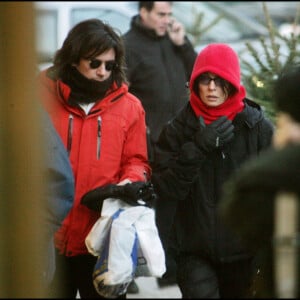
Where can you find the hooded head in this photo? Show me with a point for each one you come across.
(223, 61)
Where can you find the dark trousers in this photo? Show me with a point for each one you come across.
(198, 278)
(165, 211)
(73, 275)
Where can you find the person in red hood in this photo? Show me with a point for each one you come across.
(103, 129)
(209, 139)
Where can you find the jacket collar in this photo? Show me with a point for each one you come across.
(137, 25)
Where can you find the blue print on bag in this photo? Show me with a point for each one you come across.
(101, 265)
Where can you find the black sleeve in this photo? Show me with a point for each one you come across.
(266, 129)
(188, 55)
(176, 162)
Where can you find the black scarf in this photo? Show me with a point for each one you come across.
(84, 90)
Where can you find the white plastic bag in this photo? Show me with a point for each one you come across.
(150, 243)
(116, 265)
(127, 245)
(94, 241)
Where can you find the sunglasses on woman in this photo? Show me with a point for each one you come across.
(206, 79)
(109, 65)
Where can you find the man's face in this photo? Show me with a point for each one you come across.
(158, 18)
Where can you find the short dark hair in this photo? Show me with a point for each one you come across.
(88, 39)
(286, 92)
(148, 5)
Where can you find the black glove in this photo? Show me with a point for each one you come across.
(214, 135)
(135, 193)
(188, 161)
(139, 193)
(94, 198)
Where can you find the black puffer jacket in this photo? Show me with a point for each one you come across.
(157, 71)
(197, 225)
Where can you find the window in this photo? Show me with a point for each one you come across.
(114, 18)
(46, 33)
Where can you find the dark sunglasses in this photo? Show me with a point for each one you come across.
(109, 65)
(206, 79)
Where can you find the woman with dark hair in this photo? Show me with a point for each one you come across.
(103, 129)
(197, 151)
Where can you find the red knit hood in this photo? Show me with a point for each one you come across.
(221, 60)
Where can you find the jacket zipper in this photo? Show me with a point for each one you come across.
(70, 133)
(99, 136)
(223, 154)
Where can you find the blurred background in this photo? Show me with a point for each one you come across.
(265, 34)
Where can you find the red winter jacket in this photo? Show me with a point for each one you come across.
(105, 146)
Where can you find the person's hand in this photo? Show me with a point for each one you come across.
(176, 32)
(133, 193)
(214, 135)
(139, 193)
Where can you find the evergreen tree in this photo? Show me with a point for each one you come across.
(269, 62)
